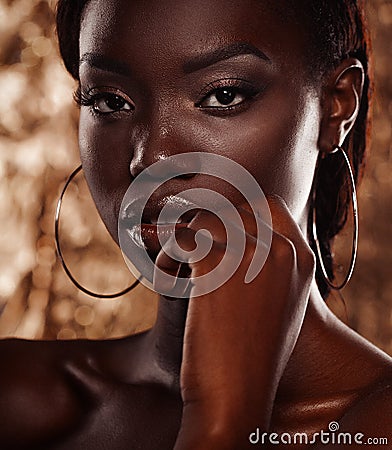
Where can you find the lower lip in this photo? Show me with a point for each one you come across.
(152, 237)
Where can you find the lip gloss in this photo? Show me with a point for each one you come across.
(152, 236)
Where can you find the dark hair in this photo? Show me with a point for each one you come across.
(339, 31)
(336, 30)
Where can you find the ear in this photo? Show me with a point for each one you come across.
(340, 103)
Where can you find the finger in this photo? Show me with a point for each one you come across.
(256, 217)
(245, 233)
(187, 255)
(282, 219)
(170, 261)
(284, 224)
(207, 220)
(253, 222)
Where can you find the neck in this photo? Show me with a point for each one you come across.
(319, 341)
(165, 343)
(166, 340)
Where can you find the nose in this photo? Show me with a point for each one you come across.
(162, 143)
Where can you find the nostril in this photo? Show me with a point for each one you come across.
(186, 176)
(181, 165)
(136, 169)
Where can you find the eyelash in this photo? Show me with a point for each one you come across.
(239, 86)
(85, 97)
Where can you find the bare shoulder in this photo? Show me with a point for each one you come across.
(372, 413)
(37, 401)
(70, 395)
(39, 397)
(50, 390)
(367, 422)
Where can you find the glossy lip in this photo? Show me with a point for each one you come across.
(148, 234)
(151, 237)
(150, 213)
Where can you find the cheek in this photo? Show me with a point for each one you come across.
(105, 160)
(276, 140)
(277, 143)
(304, 156)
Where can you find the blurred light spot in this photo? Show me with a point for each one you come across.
(84, 315)
(24, 7)
(3, 12)
(384, 130)
(66, 333)
(29, 31)
(368, 249)
(44, 241)
(63, 310)
(25, 259)
(29, 58)
(8, 283)
(81, 236)
(29, 158)
(46, 256)
(47, 223)
(385, 14)
(368, 319)
(32, 323)
(2, 169)
(12, 121)
(383, 173)
(94, 332)
(42, 277)
(41, 46)
(13, 85)
(38, 298)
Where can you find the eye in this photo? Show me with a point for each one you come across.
(103, 101)
(227, 95)
(107, 103)
(223, 97)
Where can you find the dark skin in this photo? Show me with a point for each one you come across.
(268, 354)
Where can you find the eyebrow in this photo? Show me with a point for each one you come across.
(104, 63)
(227, 52)
(199, 62)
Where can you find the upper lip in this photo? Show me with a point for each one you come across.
(176, 206)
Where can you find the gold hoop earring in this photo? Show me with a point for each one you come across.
(355, 231)
(60, 254)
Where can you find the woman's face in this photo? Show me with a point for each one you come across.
(218, 76)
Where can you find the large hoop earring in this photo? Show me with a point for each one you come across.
(355, 231)
(60, 254)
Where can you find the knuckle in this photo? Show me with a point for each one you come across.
(307, 262)
(209, 221)
(275, 201)
(250, 249)
(185, 238)
(283, 249)
(249, 222)
(201, 216)
(204, 265)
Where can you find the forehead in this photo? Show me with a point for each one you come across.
(170, 31)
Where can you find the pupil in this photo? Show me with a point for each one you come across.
(225, 96)
(115, 102)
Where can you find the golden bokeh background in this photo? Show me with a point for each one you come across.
(38, 150)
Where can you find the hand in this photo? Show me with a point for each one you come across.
(239, 337)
